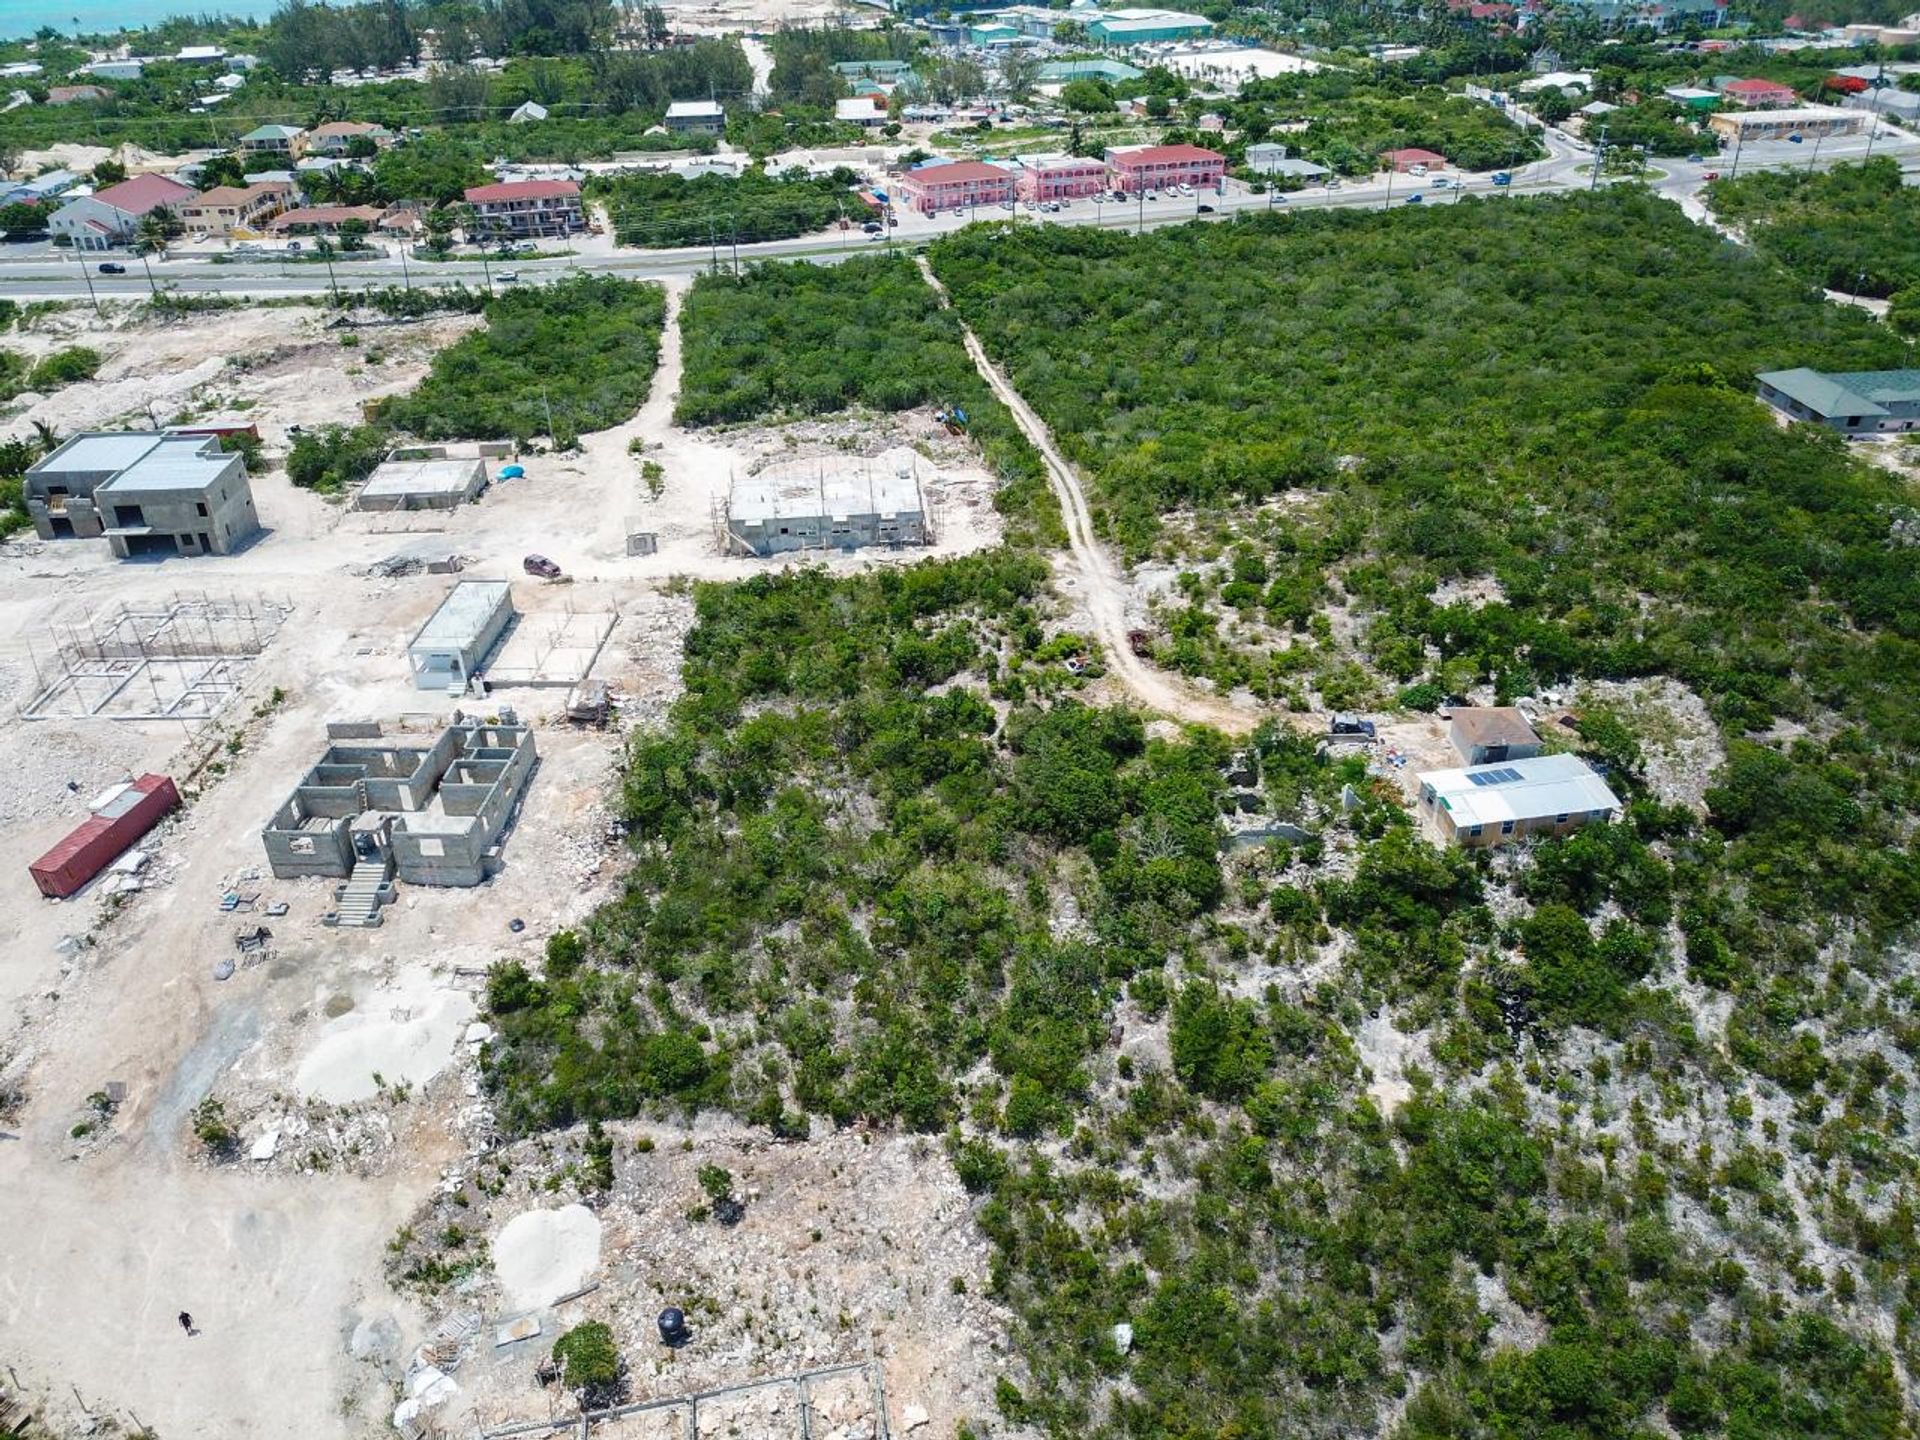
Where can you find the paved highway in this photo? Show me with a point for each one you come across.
(50, 277)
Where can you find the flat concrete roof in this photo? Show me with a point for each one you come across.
(180, 462)
(423, 477)
(769, 498)
(96, 451)
(464, 614)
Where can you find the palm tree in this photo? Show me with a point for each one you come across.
(45, 436)
(150, 237)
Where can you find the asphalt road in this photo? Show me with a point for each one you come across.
(43, 277)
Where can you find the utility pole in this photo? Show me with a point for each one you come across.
(1599, 158)
(1739, 140)
(87, 276)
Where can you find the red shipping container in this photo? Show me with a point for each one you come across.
(104, 836)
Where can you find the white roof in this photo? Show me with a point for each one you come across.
(463, 616)
(1799, 115)
(1538, 788)
(1560, 80)
(178, 462)
(694, 109)
(761, 499)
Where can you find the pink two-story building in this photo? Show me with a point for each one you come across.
(1155, 167)
(956, 186)
(1061, 177)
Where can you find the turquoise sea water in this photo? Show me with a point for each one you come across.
(20, 18)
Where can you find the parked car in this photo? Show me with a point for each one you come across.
(959, 214)
(872, 227)
(541, 566)
(111, 268)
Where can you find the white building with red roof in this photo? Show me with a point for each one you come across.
(109, 217)
(524, 209)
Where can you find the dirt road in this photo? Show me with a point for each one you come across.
(1104, 590)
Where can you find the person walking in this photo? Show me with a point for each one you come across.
(186, 1322)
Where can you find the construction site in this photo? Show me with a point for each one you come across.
(841, 503)
(183, 658)
(268, 896)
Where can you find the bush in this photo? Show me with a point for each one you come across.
(335, 457)
(63, 367)
(588, 1356)
(553, 360)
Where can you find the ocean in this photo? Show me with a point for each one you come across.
(22, 18)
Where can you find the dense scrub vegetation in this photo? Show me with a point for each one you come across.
(1555, 395)
(1854, 228)
(671, 210)
(803, 339)
(1351, 124)
(553, 360)
(1646, 1167)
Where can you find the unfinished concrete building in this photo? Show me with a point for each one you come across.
(429, 484)
(147, 493)
(451, 647)
(835, 504)
(375, 810)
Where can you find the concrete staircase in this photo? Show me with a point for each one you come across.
(358, 906)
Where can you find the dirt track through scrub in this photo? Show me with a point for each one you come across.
(1102, 586)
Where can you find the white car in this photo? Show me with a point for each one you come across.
(1186, 190)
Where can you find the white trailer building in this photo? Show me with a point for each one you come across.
(454, 643)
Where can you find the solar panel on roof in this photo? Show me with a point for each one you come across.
(1503, 776)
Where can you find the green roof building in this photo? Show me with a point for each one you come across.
(1147, 27)
(1060, 72)
(1857, 402)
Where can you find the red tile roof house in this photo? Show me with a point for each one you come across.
(73, 94)
(109, 217)
(1760, 94)
(1154, 167)
(523, 209)
(1404, 160)
(958, 186)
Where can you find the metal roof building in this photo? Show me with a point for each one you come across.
(1500, 804)
(458, 637)
(1860, 402)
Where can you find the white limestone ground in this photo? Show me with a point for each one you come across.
(541, 1255)
(403, 1036)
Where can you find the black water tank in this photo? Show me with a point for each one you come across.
(673, 1326)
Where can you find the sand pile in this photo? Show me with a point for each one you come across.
(401, 1036)
(543, 1254)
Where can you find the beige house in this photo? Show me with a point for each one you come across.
(335, 136)
(228, 208)
(1484, 805)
